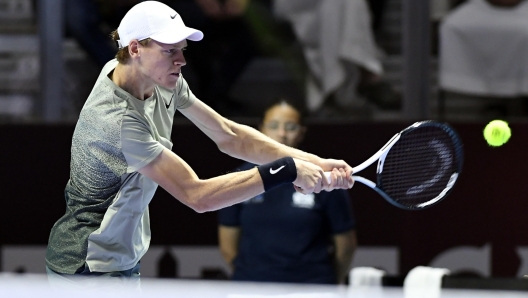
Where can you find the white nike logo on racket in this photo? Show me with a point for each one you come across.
(273, 172)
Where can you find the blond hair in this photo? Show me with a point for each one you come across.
(122, 54)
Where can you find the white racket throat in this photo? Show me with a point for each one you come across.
(377, 156)
(417, 167)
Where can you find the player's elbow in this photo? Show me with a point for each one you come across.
(228, 147)
(199, 204)
(231, 141)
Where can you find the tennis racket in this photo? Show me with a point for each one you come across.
(418, 166)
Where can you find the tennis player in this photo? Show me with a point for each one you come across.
(121, 152)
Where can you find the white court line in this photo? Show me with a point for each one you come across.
(22, 286)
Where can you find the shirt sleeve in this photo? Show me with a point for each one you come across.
(138, 145)
(184, 94)
(339, 211)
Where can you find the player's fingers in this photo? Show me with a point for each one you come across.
(326, 181)
(335, 181)
(347, 181)
(350, 181)
(319, 180)
(298, 189)
(306, 186)
(303, 190)
(319, 185)
(341, 174)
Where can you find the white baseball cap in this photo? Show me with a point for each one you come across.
(155, 20)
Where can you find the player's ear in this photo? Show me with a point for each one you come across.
(133, 48)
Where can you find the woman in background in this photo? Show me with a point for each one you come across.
(283, 235)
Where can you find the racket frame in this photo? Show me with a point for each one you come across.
(380, 157)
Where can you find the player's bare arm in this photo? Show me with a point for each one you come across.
(247, 143)
(173, 174)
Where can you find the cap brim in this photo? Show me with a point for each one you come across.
(169, 37)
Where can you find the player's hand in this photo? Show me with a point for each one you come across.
(339, 179)
(340, 174)
(309, 177)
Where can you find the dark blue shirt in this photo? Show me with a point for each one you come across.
(287, 236)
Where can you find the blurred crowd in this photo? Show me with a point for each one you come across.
(333, 54)
(329, 48)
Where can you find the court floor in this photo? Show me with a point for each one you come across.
(37, 286)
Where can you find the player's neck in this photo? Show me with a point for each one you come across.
(131, 80)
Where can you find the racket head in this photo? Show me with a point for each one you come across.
(420, 169)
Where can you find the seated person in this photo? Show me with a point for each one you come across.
(483, 48)
(340, 50)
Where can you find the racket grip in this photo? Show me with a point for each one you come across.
(328, 177)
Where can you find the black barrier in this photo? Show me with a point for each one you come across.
(458, 282)
(483, 213)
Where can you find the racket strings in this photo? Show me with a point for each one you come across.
(419, 167)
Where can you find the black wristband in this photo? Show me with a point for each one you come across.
(278, 172)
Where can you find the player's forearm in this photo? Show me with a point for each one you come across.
(242, 141)
(221, 191)
(177, 177)
(253, 146)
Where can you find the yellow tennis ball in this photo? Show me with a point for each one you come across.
(497, 132)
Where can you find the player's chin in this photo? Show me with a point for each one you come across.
(170, 82)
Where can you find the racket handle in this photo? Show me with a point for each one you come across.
(328, 177)
(356, 178)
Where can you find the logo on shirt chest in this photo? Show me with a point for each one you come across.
(168, 105)
(303, 201)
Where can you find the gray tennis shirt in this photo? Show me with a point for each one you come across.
(106, 224)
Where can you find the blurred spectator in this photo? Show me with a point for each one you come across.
(217, 61)
(89, 23)
(483, 52)
(341, 54)
(228, 46)
(283, 235)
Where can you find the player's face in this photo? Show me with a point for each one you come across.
(282, 123)
(162, 63)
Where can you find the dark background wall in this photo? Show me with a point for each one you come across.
(488, 205)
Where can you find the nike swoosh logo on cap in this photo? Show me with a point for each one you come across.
(172, 17)
(273, 172)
